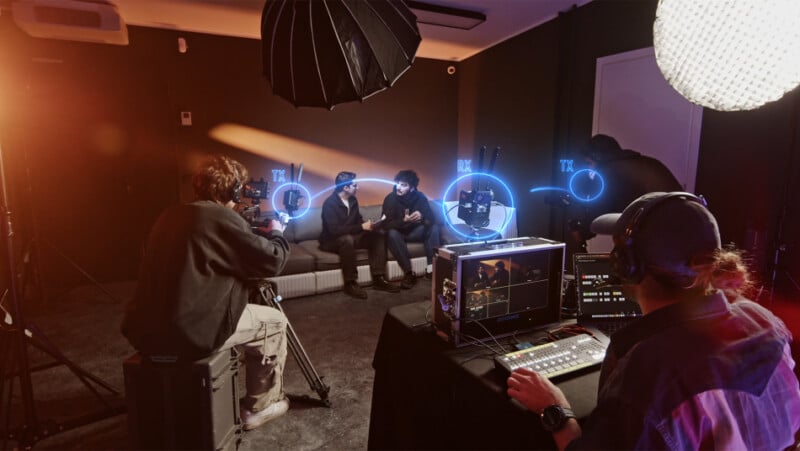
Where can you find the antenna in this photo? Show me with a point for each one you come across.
(291, 197)
(491, 163)
(475, 181)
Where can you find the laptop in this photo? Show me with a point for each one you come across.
(601, 303)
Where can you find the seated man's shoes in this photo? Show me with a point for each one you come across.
(408, 281)
(379, 283)
(354, 290)
(252, 420)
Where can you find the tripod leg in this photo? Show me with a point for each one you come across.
(313, 378)
(82, 271)
(40, 341)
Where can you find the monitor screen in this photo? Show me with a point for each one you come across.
(498, 290)
(598, 294)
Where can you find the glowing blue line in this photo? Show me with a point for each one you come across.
(447, 220)
(587, 198)
(308, 196)
(356, 181)
(549, 188)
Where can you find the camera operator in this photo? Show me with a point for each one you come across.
(194, 284)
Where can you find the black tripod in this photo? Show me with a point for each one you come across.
(15, 335)
(266, 291)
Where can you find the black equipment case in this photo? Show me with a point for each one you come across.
(177, 405)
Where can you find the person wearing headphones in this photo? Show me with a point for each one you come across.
(697, 370)
(344, 231)
(194, 283)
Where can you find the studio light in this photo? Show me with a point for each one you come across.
(729, 54)
(323, 53)
(445, 16)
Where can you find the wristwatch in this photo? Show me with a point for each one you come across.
(555, 417)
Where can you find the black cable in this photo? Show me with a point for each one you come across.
(489, 333)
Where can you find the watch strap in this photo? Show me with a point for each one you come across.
(563, 413)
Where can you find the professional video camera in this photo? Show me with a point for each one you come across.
(255, 191)
(475, 205)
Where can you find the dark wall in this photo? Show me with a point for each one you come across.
(95, 148)
(534, 93)
(508, 98)
(537, 92)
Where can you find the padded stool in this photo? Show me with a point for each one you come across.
(175, 404)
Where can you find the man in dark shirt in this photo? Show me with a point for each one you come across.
(697, 371)
(480, 279)
(626, 175)
(344, 231)
(408, 218)
(500, 277)
(194, 284)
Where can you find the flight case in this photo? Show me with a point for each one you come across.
(183, 405)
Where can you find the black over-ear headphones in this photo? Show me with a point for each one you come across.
(625, 261)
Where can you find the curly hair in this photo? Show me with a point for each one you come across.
(218, 178)
(407, 176)
(727, 271)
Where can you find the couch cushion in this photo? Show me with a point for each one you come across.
(446, 233)
(329, 260)
(307, 227)
(300, 261)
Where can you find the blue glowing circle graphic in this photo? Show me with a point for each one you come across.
(590, 197)
(303, 188)
(492, 233)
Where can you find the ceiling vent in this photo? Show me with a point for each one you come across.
(73, 20)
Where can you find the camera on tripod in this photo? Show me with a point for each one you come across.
(475, 205)
(255, 191)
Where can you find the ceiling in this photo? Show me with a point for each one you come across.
(242, 18)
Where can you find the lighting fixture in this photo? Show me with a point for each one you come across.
(729, 54)
(445, 16)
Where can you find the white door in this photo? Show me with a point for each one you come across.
(635, 104)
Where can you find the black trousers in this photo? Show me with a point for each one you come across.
(346, 246)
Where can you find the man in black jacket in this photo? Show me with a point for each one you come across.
(408, 218)
(626, 174)
(195, 281)
(344, 231)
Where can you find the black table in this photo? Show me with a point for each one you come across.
(429, 395)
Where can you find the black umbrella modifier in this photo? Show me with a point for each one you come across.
(320, 53)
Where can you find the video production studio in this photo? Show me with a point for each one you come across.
(106, 107)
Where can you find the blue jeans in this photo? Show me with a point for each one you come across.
(396, 242)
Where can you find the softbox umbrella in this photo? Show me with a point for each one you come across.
(320, 53)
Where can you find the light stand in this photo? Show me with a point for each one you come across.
(17, 334)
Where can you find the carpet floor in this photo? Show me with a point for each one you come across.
(338, 333)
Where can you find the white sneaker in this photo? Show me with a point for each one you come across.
(252, 420)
